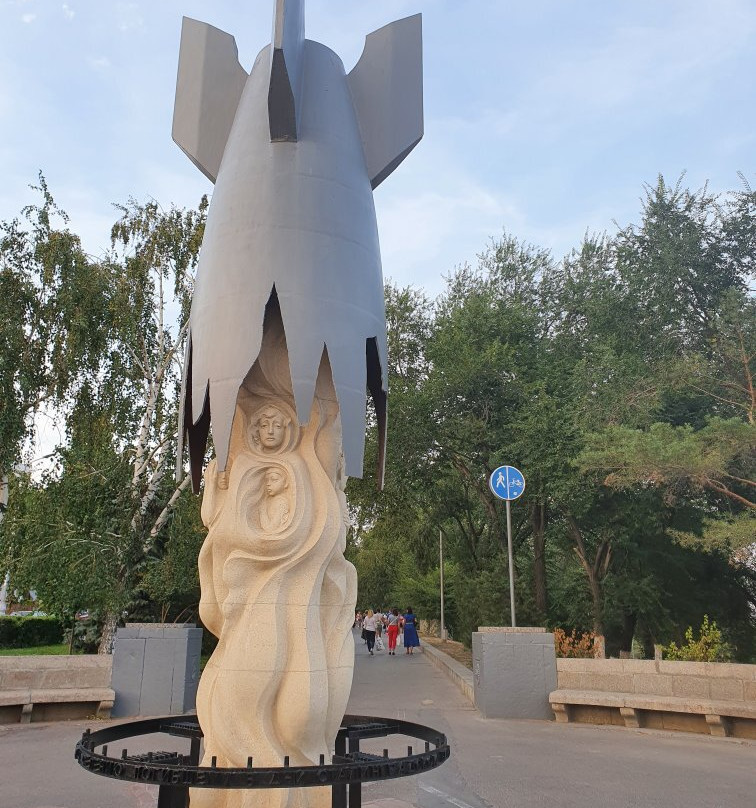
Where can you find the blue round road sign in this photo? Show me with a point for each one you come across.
(507, 482)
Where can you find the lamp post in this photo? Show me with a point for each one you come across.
(441, 571)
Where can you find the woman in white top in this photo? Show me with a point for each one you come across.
(368, 624)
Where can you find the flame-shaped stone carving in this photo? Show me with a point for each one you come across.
(276, 588)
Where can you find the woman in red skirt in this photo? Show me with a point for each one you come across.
(393, 630)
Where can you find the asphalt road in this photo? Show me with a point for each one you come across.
(533, 764)
(494, 763)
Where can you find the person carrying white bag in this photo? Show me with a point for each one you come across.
(379, 632)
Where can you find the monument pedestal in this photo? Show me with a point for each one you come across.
(514, 670)
(156, 668)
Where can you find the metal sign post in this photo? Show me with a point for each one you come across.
(441, 569)
(508, 483)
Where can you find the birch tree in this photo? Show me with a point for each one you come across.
(104, 507)
(157, 251)
(54, 317)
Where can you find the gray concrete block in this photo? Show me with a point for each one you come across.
(126, 681)
(186, 694)
(513, 673)
(157, 678)
(156, 669)
(128, 633)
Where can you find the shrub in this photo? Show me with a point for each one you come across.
(8, 632)
(87, 633)
(709, 647)
(28, 632)
(579, 646)
(40, 631)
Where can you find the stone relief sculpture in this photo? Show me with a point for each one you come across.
(287, 330)
(275, 506)
(276, 589)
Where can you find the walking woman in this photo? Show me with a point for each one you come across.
(393, 630)
(411, 640)
(368, 626)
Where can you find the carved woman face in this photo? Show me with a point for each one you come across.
(275, 482)
(271, 427)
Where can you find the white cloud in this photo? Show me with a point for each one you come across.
(129, 16)
(668, 61)
(68, 11)
(734, 142)
(425, 235)
(28, 18)
(99, 62)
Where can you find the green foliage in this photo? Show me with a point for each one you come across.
(620, 381)
(59, 649)
(170, 577)
(65, 536)
(86, 634)
(481, 600)
(104, 348)
(712, 457)
(421, 591)
(54, 315)
(731, 536)
(709, 647)
(23, 632)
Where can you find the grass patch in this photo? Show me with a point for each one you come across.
(37, 650)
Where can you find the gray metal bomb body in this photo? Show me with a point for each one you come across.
(292, 215)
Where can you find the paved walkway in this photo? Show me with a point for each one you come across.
(530, 764)
(498, 764)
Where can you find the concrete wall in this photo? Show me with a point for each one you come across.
(55, 671)
(156, 669)
(53, 688)
(456, 671)
(700, 680)
(514, 671)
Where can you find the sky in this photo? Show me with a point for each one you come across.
(543, 118)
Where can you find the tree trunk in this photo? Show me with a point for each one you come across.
(4, 594)
(107, 642)
(595, 570)
(538, 521)
(598, 620)
(629, 620)
(3, 508)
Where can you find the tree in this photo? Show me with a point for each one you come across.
(719, 458)
(54, 317)
(156, 252)
(543, 364)
(120, 447)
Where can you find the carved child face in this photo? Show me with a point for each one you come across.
(275, 482)
(271, 426)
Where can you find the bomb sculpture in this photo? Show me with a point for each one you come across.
(287, 332)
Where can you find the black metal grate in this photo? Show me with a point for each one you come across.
(174, 774)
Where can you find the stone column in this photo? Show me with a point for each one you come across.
(514, 670)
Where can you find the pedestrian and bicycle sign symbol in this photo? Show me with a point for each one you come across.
(507, 482)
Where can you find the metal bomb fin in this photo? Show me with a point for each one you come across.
(387, 90)
(208, 88)
(284, 102)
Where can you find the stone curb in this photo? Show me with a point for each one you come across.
(461, 676)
